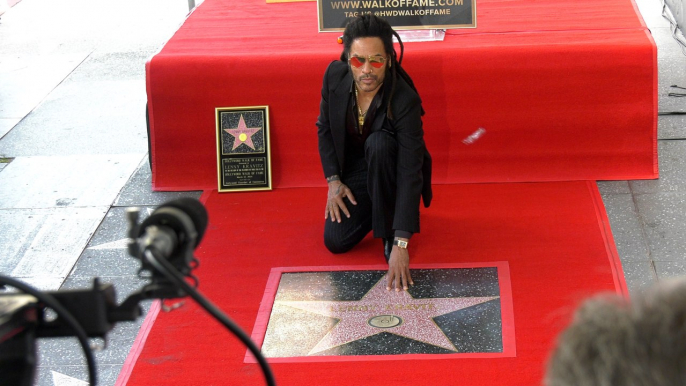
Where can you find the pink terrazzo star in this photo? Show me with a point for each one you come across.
(243, 134)
(380, 311)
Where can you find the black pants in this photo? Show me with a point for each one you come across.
(372, 179)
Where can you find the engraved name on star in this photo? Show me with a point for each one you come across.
(243, 134)
(381, 310)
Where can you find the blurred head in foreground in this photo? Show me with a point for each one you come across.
(613, 341)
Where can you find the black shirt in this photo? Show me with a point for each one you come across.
(356, 135)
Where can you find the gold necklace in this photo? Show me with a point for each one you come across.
(360, 113)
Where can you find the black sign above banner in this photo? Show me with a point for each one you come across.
(401, 14)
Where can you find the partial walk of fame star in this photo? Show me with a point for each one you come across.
(243, 134)
(121, 243)
(381, 310)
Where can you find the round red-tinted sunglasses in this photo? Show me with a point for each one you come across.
(359, 61)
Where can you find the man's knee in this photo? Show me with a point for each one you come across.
(335, 245)
(380, 144)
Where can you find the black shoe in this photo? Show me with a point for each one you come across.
(387, 248)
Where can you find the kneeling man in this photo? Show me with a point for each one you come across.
(371, 144)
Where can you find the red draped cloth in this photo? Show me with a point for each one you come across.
(560, 90)
(540, 91)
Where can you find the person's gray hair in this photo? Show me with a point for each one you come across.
(616, 342)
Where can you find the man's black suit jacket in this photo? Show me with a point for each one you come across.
(406, 127)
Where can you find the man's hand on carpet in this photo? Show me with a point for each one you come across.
(335, 203)
(398, 270)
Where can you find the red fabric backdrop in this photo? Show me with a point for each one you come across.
(565, 91)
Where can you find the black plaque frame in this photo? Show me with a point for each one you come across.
(243, 148)
(401, 14)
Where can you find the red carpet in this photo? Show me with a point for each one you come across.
(554, 237)
(564, 90)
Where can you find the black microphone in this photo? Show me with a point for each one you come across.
(173, 230)
(193, 209)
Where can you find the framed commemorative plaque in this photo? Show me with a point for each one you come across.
(243, 150)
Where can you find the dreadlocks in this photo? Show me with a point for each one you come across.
(368, 25)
